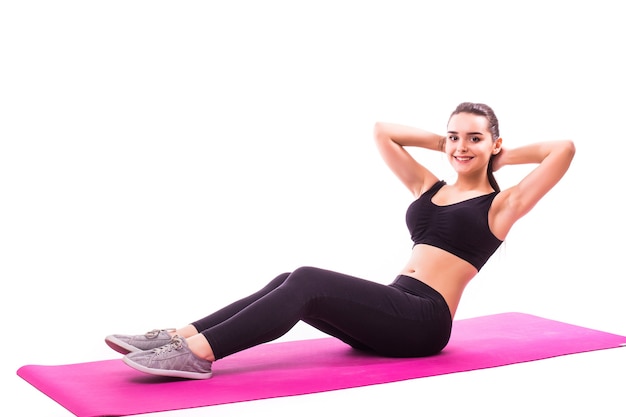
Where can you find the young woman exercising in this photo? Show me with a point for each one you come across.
(455, 229)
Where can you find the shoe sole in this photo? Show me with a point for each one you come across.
(166, 372)
(120, 346)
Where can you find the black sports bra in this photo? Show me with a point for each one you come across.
(461, 229)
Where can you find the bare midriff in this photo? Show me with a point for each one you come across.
(442, 271)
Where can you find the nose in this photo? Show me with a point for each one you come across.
(461, 145)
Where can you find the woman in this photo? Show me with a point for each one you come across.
(455, 229)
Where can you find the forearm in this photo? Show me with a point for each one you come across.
(409, 136)
(536, 153)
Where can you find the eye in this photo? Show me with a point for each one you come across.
(453, 137)
(475, 139)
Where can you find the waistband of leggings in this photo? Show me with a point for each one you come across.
(416, 287)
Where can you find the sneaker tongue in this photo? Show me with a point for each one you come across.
(176, 343)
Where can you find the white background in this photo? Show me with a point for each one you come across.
(160, 159)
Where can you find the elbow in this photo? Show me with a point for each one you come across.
(569, 148)
(378, 126)
(562, 149)
(380, 132)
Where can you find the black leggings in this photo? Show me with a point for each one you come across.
(404, 319)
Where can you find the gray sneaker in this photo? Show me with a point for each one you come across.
(174, 359)
(127, 344)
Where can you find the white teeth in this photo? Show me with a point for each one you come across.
(463, 158)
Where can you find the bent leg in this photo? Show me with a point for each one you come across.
(362, 313)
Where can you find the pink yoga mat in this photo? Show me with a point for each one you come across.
(110, 388)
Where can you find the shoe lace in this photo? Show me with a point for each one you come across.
(154, 333)
(175, 344)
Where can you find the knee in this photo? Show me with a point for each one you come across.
(305, 271)
(303, 274)
(278, 281)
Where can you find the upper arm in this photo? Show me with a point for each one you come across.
(391, 139)
(518, 200)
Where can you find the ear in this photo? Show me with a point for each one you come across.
(497, 145)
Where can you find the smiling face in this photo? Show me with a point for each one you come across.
(469, 144)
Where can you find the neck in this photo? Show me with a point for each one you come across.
(473, 182)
